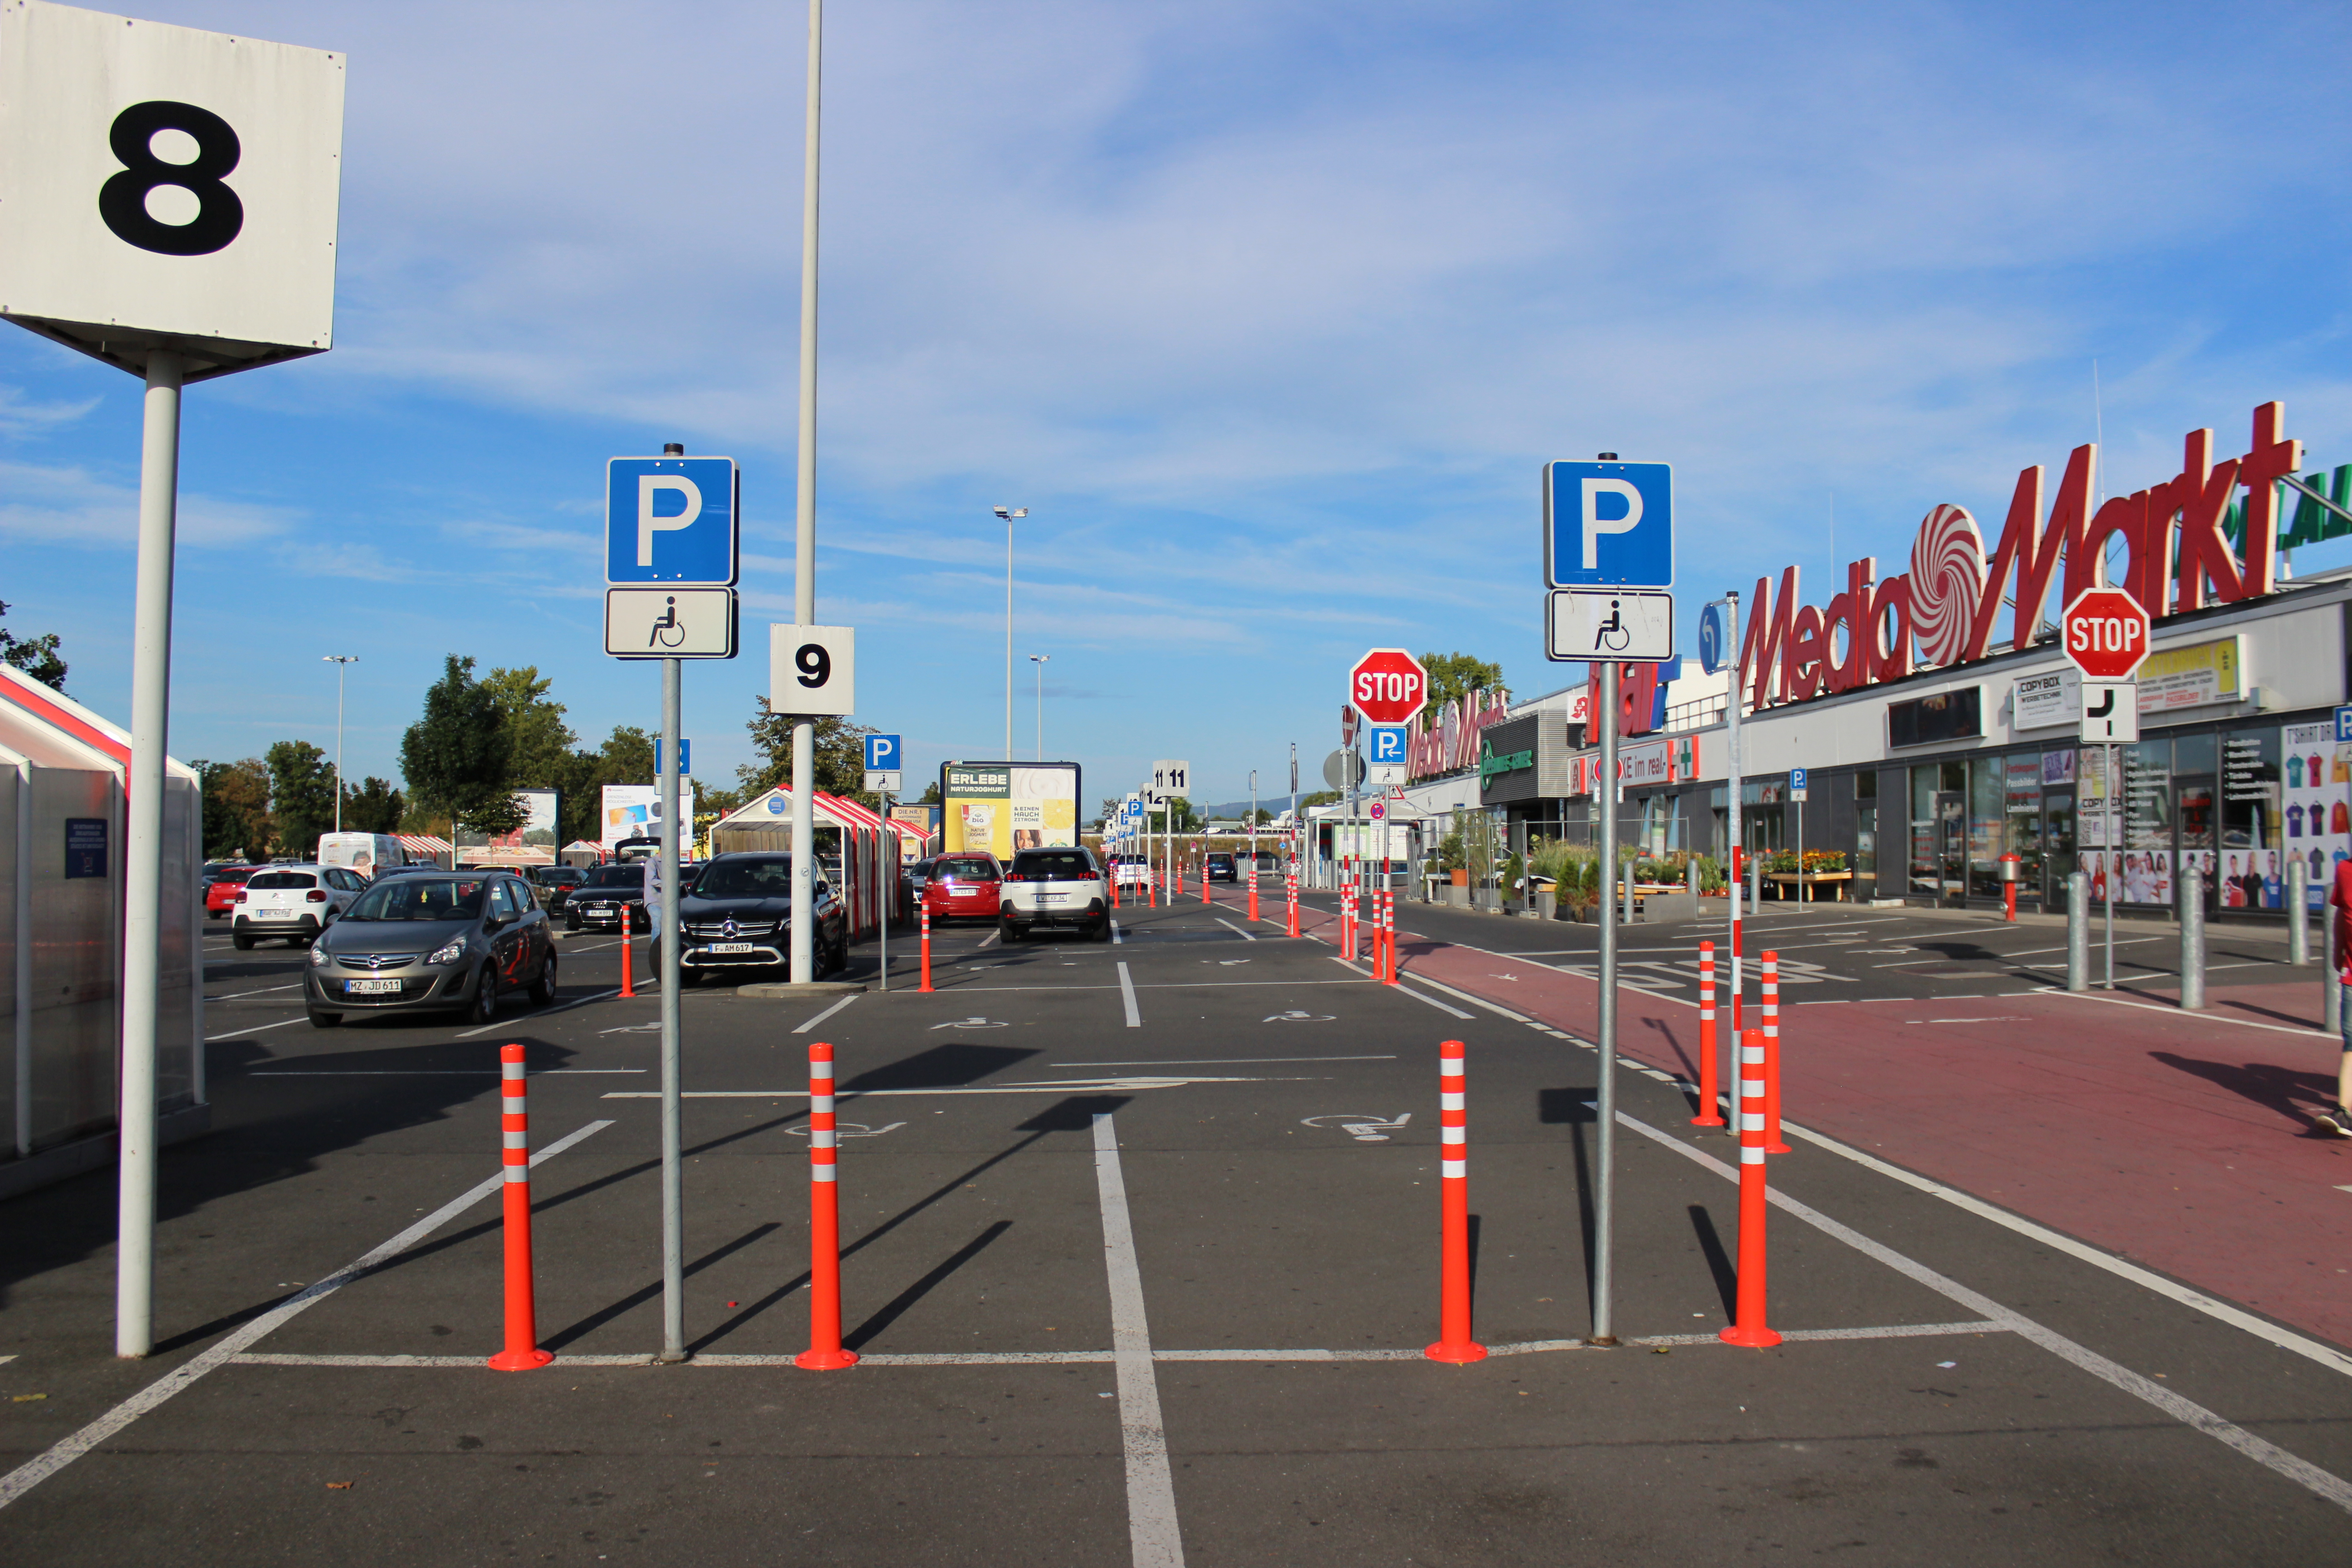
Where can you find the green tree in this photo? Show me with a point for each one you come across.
(840, 763)
(373, 807)
(457, 757)
(301, 795)
(36, 657)
(931, 796)
(236, 807)
(1452, 674)
(539, 743)
(1320, 797)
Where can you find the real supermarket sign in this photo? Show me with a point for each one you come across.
(1943, 612)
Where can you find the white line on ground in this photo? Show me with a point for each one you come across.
(829, 1012)
(1406, 990)
(425, 1072)
(988, 941)
(4, 1360)
(2096, 944)
(1221, 1061)
(540, 1013)
(1067, 1086)
(1127, 998)
(265, 991)
(65, 1451)
(1232, 928)
(1117, 938)
(1150, 1489)
(2207, 1016)
(2332, 1487)
(256, 1028)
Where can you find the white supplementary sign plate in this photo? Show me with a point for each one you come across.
(812, 670)
(1620, 624)
(669, 623)
(172, 185)
(2110, 712)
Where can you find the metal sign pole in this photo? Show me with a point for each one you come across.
(1731, 795)
(673, 1196)
(1605, 1100)
(2114, 858)
(889, 892)
(804, 953)
(142, 934)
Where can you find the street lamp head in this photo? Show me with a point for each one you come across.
(1009, 514)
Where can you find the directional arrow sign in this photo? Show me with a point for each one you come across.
(2110, 712)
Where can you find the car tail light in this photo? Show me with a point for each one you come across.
(315, 896)
(1010, 878)
(240, 895)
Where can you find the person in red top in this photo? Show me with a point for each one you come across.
(2336, 1118)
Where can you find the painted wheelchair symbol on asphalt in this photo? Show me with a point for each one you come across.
(1362, 1129)
(849, 1130)
(972, 1023)
(1296, 1016)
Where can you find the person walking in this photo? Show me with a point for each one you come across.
(2337, 1119)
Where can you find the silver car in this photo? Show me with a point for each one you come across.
(437, 942)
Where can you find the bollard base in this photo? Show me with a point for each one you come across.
(1778, 1149)
(519, 1361)
(1462, 1354)
(824, 1361)
(1708, 1122)
(1754, 1339)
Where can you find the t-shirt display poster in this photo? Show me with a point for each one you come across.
(2319, 787)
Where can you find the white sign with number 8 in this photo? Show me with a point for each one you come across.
(812, 670)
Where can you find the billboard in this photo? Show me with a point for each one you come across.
(634, 811)
(1000, 807)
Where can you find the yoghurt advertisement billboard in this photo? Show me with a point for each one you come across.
(1001, 808)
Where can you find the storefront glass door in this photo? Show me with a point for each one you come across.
(1952, 847)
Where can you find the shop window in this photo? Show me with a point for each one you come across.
(2192, 754)
(1865, 825)
(2253, 875)
(2147, 801)
(1925, 879)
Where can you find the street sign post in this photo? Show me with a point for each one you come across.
(670, 623)
(1170, 777)
(1388, 686)
(672, 520)
(1797, 781)
(1389, 751)
(125, 240)
(884, 770)
(812, 670)
(2106, 633)
(1717, 636)
(884, 777)
(1608, 526)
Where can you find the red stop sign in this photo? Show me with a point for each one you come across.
(1388, 686)
(2106, 633)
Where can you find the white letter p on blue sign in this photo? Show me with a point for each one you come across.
(1595, 525)
(651, 485)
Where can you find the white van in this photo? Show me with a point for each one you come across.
(366, 853)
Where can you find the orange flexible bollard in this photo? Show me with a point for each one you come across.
(522, 1352)
(628, 987)
(825, 1352)
(1709, 1090)
(1453, 1341)
(1771, 1020)
(1747, 1327)
(1388, 937)
(1293, 896)
(1252, 914)
(925, 986)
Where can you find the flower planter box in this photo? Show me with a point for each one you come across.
(1807, 883)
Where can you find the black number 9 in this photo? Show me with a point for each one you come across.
(816, 665)
(122, 200)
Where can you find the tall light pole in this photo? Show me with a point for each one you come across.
(1008, 514)
(1040, 660)
(339, 660)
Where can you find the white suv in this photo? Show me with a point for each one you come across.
(1054, 887)
(296, 902)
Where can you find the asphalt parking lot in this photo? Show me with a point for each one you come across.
(1140, 1253)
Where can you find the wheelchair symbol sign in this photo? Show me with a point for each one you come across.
(669, 623)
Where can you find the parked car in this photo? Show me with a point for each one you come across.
(1131, 870)
(918, 877)
(737, 914)
(296, 902)
(554, 885)
(963, 886)
(1054, 887)
(609, 895)
(222, 885)
(1219, 867)
(456, 940)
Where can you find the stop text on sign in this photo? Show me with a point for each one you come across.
(2104, 634)
(1382, 686)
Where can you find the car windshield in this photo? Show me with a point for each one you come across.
(629, 876)
(970, 870)
(745, 879)
(421, 899)
(1051, 865)
(269, 880)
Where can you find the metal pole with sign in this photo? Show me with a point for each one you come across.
(1797, 796)
(148, 261)
(1609, 569)
(2104, 631)
(1718, 643)
(885, 778)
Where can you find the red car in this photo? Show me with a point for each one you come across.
(222, 885)
(963, 887)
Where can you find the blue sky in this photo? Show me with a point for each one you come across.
(1270, 314)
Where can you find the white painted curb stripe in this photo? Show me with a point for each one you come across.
(1150, 1489)
(1127, 998)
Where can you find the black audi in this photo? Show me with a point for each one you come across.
(446, 941)
(737, 914)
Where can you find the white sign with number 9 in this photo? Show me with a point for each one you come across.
(812, 670)
(167, 187)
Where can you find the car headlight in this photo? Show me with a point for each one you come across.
(449, 952)
(318, 958)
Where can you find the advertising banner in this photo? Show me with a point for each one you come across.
(634, 811)
(2318, 783)
(1002, 807)
(2193, 677)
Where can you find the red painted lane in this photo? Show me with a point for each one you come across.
(2177, 1141)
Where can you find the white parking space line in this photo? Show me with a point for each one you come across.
(1220, 1061)
(2028, 952)
(233, 1034)
(1127, 998)
(1116, 936)
(829, 1012)
(542, 1012)
(1150, 1489)
(265, 991)
(40, 1468)
(1401, 989)
(1232, 928)
(2332, 1487)
(988, 941)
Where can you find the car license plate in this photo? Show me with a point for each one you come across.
(729, 947)
(373, 987)
(1052, 897)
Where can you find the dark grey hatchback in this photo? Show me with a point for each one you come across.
(433, 943)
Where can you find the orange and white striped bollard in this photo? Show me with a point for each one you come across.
(925, 986)
(522, 1352)
(1291, 886)
(628, 987)
(825, 1352)
(1252, 914)
(1388, 929)
(1453, 1341)
(1771, 1021)
(1747, 1326)
(1709, 1090)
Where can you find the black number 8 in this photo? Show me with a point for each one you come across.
(816, 665)
(122, 200)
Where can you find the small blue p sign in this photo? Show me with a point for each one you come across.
(881, 753)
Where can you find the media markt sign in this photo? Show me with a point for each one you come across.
(1492, 766)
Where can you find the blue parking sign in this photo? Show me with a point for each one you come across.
(1608, 525)
(671, 521)
(1388, 744)
(881, 753)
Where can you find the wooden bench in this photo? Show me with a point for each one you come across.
(1807, 881)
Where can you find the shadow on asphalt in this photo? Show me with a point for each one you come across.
(1718, 1261)
(2268, 1085)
